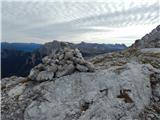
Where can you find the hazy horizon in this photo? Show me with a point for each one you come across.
(108, 22)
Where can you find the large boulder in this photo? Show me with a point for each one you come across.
(116, 93)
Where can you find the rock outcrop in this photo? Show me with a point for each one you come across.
(63, 62)
(115, 93)
(103, 95)
(151, 40)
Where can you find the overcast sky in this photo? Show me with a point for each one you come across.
(112, 21)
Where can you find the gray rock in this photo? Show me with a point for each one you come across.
(40, 67)
(65, 70)
(69, 62)
(17, 90)
(60, 57)
(52, 68)
(45, 75)
(90, 66)
(46, 59)
(78, 60)
(33, 74)
(78, 54)
(68, 55)
(13, 80)
(102, 95)
(81, 68)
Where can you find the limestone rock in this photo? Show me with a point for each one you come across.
(81, 68)
(78, 54)
(90, 66)
(17, 90)
(46, 59)
(78, 60)
(33, 74)
(93, 96)
(151, 40)
(53, 68)
(66, 70)
(114, 93)
(68, 55)
(45, 75)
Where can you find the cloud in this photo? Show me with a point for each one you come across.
(78, 21)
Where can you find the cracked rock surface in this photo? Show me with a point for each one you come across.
(104, 94)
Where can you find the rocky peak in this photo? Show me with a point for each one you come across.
(151, 40)
(64, 61)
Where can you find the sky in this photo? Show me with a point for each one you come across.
(105, 21)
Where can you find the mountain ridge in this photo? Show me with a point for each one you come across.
(27, 56)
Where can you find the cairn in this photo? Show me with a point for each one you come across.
(62, 62)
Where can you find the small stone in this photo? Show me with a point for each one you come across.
(90, 66)
(61, 57)
(68, 55)
(67, 70)
(78, 54)
(17, 90)
(40, 67)
(56, 61)
(78, 60)
(52, 68)
(69, 62)
(45, 59)
(81, 68)
(33, 74)
(45, 75)
(60, 68)
(62, 62)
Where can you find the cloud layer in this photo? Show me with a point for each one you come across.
(102, 22)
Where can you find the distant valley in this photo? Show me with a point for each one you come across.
(19, 58)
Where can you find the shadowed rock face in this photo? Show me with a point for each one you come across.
(151, 40)
(60, 63)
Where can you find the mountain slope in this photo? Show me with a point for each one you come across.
(150, 40)
(18, 63)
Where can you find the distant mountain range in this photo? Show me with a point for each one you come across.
(18, 58)
(87, 49)
(26, 47)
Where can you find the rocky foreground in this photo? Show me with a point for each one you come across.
(116, 86)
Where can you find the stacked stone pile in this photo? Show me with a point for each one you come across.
(60, 63)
